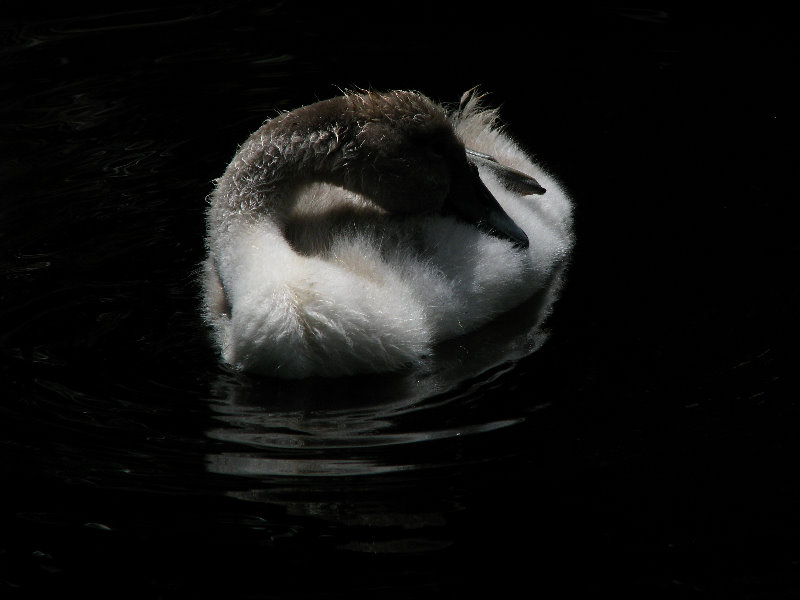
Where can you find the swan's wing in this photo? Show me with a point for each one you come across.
(512, 180)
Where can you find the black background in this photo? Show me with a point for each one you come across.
(663, 462)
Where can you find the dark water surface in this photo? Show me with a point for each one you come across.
(647, 447)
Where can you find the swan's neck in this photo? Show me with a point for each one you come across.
(314, 143)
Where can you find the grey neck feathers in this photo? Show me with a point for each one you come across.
(335, 141)
(312, 143)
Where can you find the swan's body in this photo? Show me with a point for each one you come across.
(352, 235)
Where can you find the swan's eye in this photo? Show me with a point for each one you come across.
(437, 149)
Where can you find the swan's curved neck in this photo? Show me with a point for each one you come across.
(312, 143)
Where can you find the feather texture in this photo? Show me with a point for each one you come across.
(331, 249)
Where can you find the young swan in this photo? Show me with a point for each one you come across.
(352, 235)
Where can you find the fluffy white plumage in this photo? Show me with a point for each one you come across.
(331, 283)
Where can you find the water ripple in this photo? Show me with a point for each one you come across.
(423, 418)
(306, 439)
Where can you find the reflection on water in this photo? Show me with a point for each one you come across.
(348, 450)
(297, 427)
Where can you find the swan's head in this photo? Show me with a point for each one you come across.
(412, 162)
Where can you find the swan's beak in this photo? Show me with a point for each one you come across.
(513, 180)
(473, 202)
